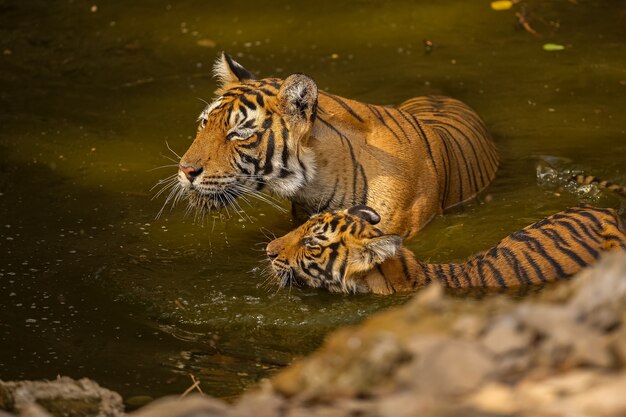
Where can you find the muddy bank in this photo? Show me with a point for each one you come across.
(559, 354)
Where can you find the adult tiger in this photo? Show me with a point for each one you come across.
(343, 251)
(325, 152)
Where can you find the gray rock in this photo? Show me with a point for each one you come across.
(506, 336)
(63, 397)
(191, 406)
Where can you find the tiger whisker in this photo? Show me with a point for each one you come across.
(162, 190)
(162, 166)
(171, 150)
(170, 178)
(169, 197)
(169, 158)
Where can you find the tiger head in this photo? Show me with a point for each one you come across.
(251, 137)
(331, 249)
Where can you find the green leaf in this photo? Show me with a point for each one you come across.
(552, 47)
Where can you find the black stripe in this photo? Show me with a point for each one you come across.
(578, 238)
(479, 270)
(458, 166)
(365, 190)
(326, 205)
(480, 133)
(405, 270)
(591, 217)
(452, 274)
(591, 234)
(426, 271)
(397, 124)
(389, 284)
(466, 276)
(344, 105)
(246, 102)
(441, 276)
(269, 153)
(382, 121)
(470, 172)
(520, 272)
(469, 142)
(426, 141)
(612, 237)
(496, 273)
(260, 100)
(556, 237)
(284, 136)
(535, 267)
(334, 129)
(446, 172)
(352, 157)
(535, 246)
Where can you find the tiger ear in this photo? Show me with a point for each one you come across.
(227, 70)
(381, 248)
(298, 99)
(374, 251)
(366, 213)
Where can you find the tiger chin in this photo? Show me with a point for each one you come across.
(344, 251)
(325, 152)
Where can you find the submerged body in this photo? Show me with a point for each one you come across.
(344, 251)
(325, 152)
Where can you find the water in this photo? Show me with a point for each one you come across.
(92, 285)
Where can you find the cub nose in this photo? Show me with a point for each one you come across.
(191, 171)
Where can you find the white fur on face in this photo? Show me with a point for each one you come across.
(288, 187)
(208, 109)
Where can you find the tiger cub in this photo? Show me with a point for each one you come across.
(343, 251)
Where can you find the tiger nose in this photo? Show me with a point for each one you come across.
(191, 171)
(271, 252)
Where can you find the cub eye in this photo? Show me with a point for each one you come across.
(308, 241)
(239, 134)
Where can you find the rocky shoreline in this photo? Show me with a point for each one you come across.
(562, 353)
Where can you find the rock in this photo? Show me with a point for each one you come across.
(549, 356)
(506, 336)
(449, 368)
(63, 397)
(496, 398)
(193, 405)
(618, 347)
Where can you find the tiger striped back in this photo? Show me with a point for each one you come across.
(344, 251)
(468, 158)
(551, 249)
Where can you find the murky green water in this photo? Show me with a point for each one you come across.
(92, 285)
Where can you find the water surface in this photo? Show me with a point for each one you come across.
(92, 285)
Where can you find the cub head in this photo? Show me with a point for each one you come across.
(331, 249)
(251, 137)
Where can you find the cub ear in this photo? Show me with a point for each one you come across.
(366, 213)
(298, 99)
(227, 70)
(382, 248)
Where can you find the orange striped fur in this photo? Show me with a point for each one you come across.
(325, 152)
(343, 251)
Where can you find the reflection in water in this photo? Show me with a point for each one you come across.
(92, 285)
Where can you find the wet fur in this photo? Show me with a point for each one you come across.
(344, 251)
(325, 152)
